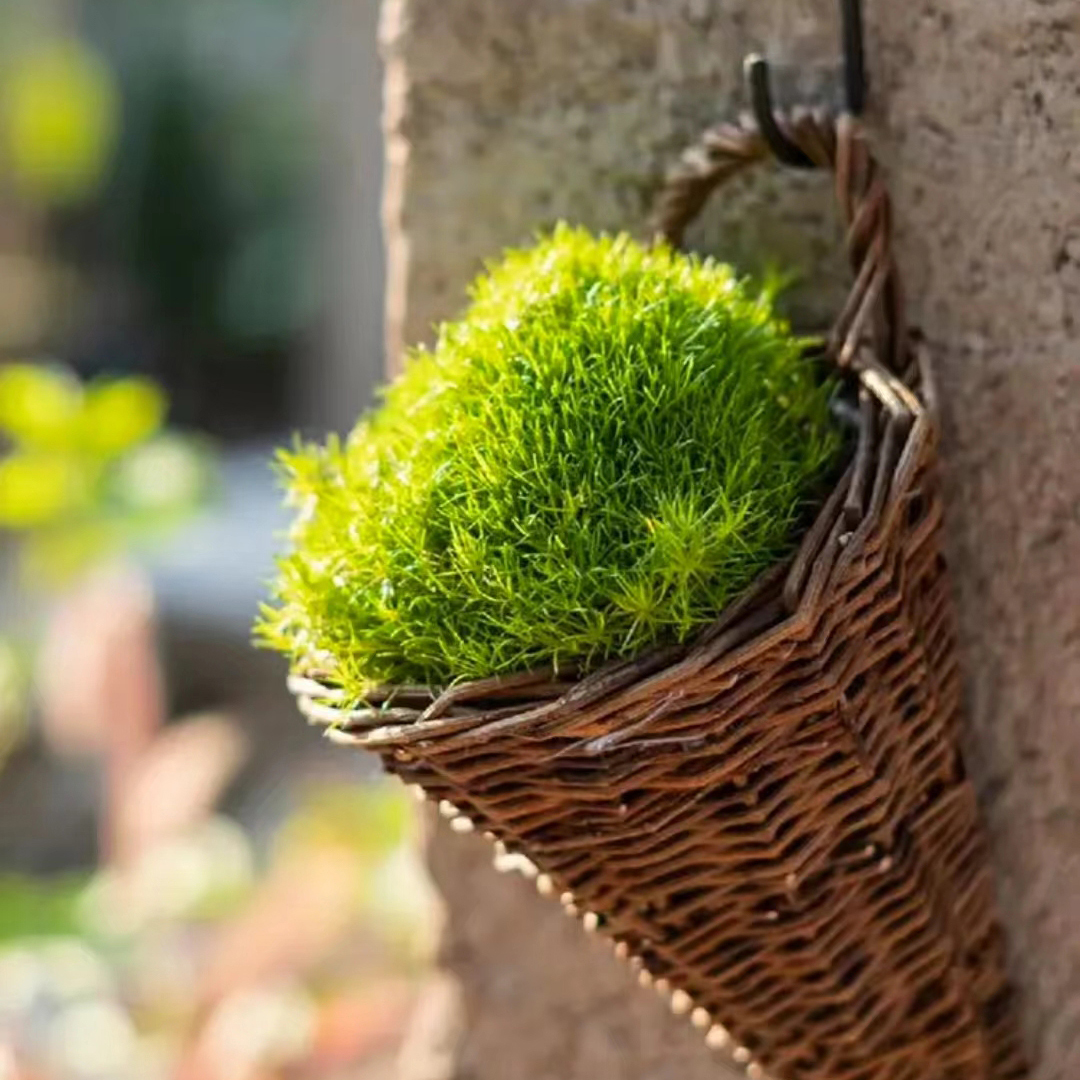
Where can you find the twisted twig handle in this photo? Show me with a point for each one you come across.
(873, 312)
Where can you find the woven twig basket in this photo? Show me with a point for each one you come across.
(773, 824)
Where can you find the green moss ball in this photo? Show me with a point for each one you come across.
(608, 447)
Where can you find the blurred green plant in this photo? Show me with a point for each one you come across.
(187, 952)
(14, 683)
(39, 907)
(60, 119)
(192, 950)
(89, 468)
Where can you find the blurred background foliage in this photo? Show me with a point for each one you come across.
(88, 468)
(191, 885)
(167, 153)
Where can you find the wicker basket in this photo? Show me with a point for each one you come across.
(773, 824)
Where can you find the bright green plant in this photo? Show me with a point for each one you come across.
(607, 448)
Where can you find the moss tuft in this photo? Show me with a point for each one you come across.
(606, 449)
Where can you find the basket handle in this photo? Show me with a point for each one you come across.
(870, 331)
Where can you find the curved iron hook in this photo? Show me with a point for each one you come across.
(756, 71)
(854, 54)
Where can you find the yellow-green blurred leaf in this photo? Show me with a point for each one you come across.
(371, 819)
(61, 116)
(38, 907)
(167, 474)
(119, 415)
(13, 686)
(52, 557)
(37, 488)
(39, 405)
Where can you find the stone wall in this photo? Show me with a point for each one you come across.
(505, 115)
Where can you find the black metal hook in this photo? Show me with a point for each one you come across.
(756, 70)
(851, 43)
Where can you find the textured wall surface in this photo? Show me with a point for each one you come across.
(979, 109)
(504, 115)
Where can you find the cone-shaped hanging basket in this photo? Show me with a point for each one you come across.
(773, 823)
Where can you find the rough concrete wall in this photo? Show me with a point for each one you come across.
(505, 115)
(979, 110)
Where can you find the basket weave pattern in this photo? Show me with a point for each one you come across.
(775, 821)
